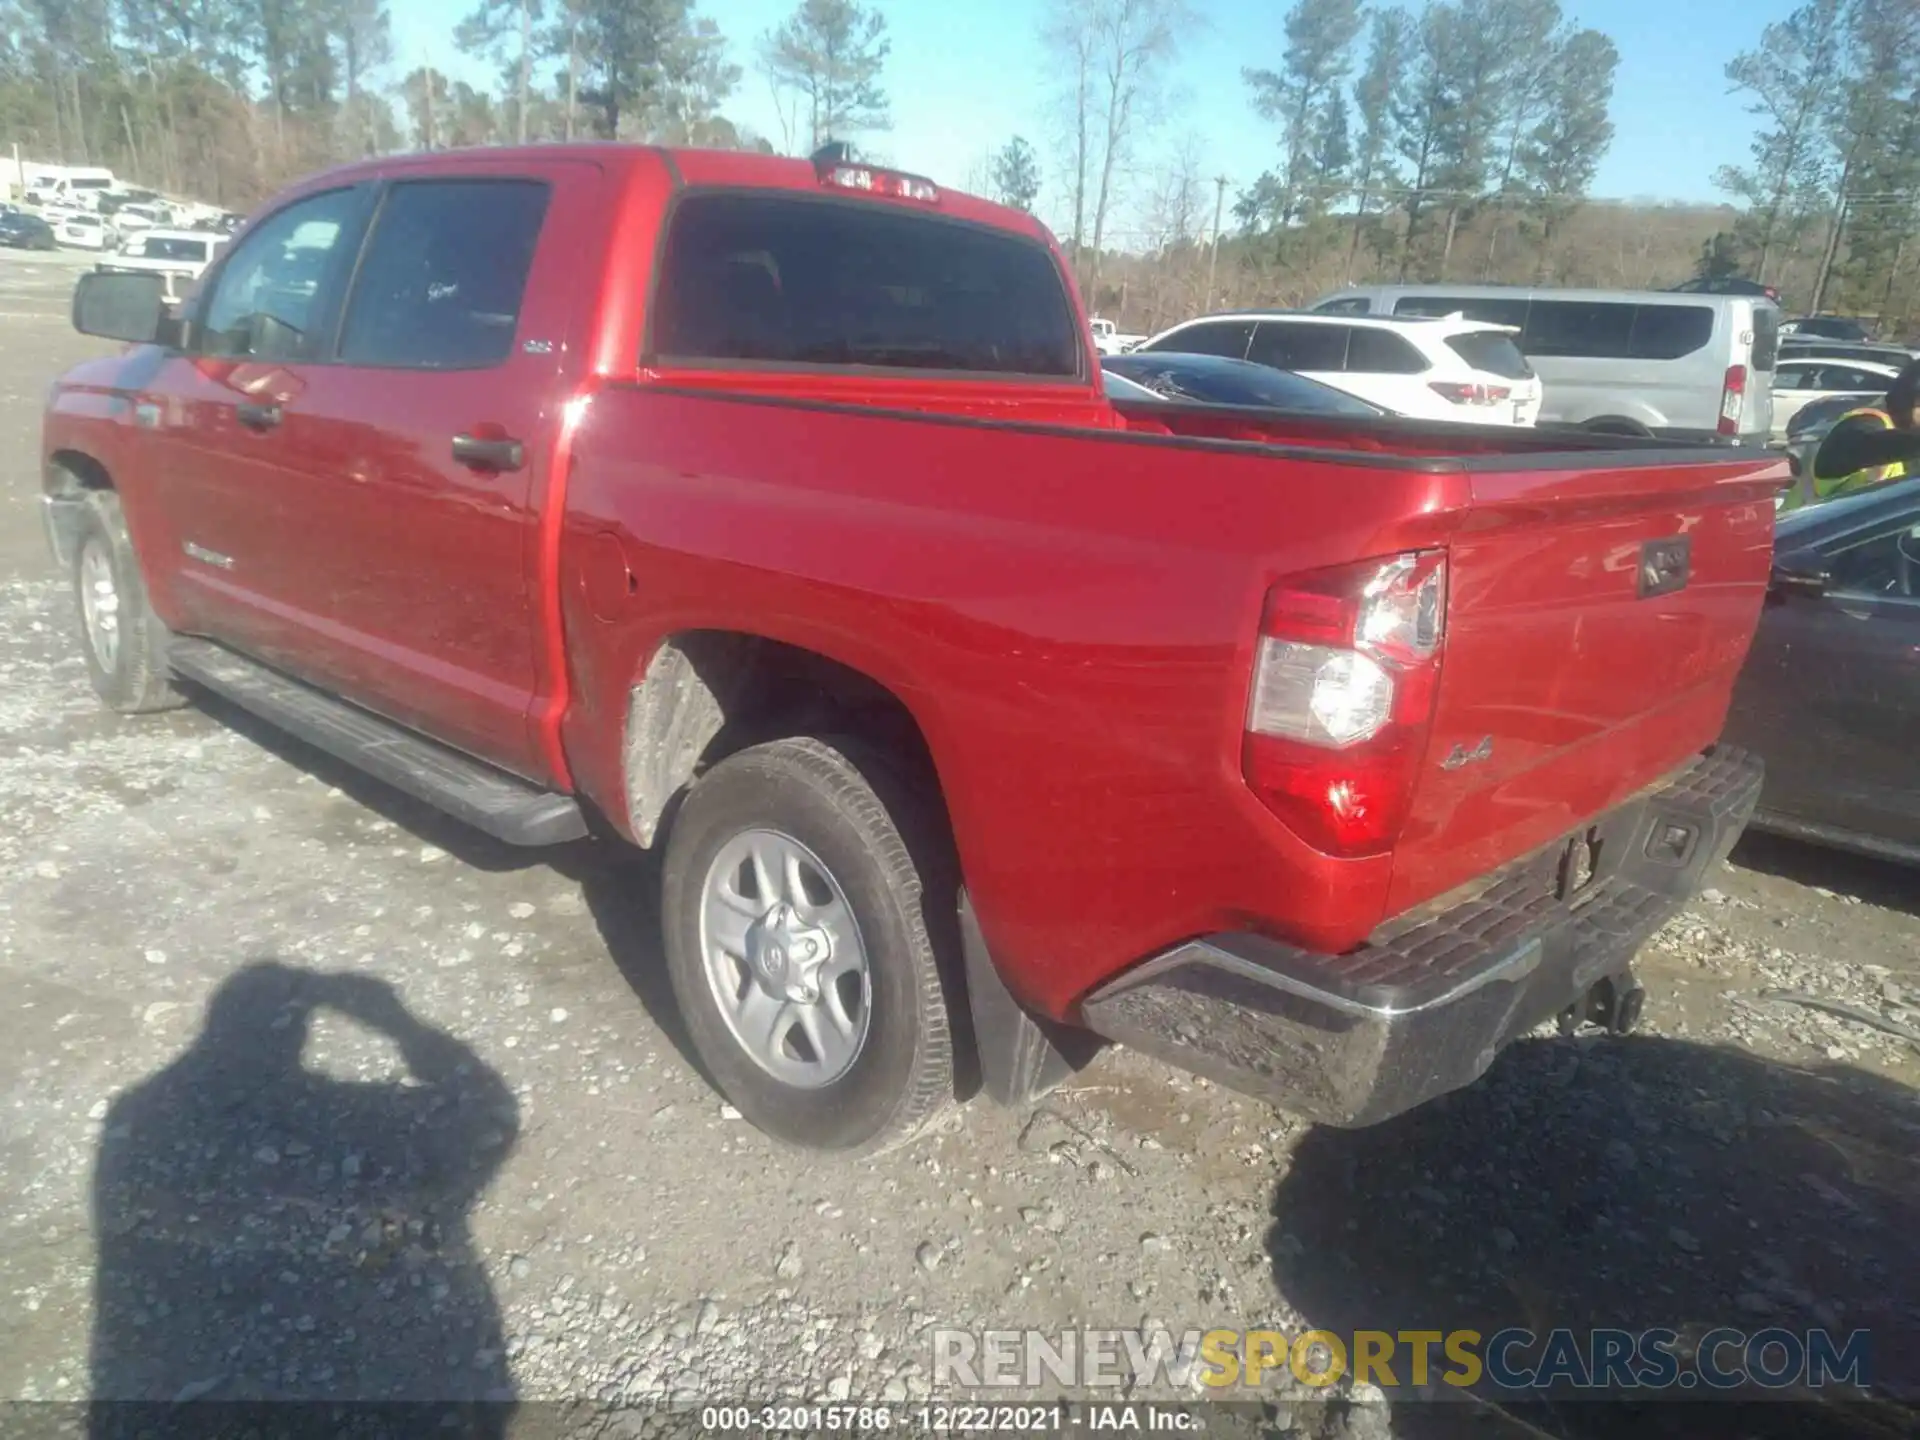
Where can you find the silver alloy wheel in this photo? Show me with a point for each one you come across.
(785, 959)
(100, 602)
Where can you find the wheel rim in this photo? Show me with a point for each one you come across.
(100, 603)
(785, 959)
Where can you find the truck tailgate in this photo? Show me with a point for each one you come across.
(1596, 620)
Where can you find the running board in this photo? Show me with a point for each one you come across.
(502, 805)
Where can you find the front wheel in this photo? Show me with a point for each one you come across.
(799, 945)
(124, 641)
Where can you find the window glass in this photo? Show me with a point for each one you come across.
(1591, 329)
(1295, 345)
(1843, 377)
(1491, 309)
(268, 294)
(1493, 352)
(1666, 332)
(1215, 337)
(440, 284)
(794, 281)
(1884, 565)
(1766, 336)
(174, 247)
(1381, 352)
(1346, 305)
(1793, 377)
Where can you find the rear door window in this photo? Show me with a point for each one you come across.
(1491, 351)
(440, 285)
(1345, 305)
(1374, 351)
(1667, 332)
(1299, 345)
(1212, 337)
(794, 281)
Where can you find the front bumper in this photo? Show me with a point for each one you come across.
(1355, 1039)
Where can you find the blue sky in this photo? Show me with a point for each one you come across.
(966, 74)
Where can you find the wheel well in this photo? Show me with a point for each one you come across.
(70, 475)
(709, 693)
(1616, 425)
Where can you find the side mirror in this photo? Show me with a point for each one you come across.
(124, 305)
(1801, 572)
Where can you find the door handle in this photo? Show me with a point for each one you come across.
(257, 417)
(486, 454)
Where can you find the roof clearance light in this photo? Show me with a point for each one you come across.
(881, 182)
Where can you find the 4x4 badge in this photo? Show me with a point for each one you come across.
(1460, 757)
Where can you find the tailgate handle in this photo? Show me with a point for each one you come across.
(1665, 566)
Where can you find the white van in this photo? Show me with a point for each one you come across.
(1622, 362)
(78, 186)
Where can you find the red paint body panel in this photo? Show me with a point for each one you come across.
(1064, 593)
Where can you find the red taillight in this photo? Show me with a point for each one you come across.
(1733, 399)
(871, 180)
(1462, 394)
(1343, 692)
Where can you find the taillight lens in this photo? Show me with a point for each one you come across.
(1343, 689)
(1733, 399)
(1464, 394)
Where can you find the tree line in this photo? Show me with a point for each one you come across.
(1455, 140)
(226, 100)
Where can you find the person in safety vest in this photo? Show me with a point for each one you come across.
(1866, 447)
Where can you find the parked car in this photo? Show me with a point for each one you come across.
(1828, 327)
(86, 232)
(1795, 347)
(1830, 692)
(1726, 285)
(129, 218)
(773, 513)
(21, 231)
(1623, 362)
(179, 257)
(1436, 369)
(1218, 380)
(1798, 382)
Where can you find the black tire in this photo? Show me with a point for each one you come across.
(826, 794)
(134, 678)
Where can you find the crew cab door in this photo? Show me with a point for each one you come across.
(428, 441)
(392, 516)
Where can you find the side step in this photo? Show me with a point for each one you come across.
(502, 805)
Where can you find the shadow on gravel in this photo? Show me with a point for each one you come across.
(1621, 1184)
(619, 884)
(267, 1232)
(1877, 882)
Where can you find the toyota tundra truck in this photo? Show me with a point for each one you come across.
(769, 514)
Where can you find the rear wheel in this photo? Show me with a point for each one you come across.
(799, 948)
(123, 640)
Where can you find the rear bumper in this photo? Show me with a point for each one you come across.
(1354, 1039)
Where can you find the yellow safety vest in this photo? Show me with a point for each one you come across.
(1825, 489)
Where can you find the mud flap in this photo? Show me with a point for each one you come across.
(1022, 1055)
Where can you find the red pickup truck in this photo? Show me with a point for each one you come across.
(771, 513)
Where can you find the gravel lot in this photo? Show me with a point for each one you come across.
(309, 1093)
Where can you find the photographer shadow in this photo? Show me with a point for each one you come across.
(268, 1233)
(1631, 1185)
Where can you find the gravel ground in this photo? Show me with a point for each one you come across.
(310, 1093)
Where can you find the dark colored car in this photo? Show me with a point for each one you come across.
(21, 231)
(1830, 693)
(1221, 380)
(1829, 327)
(1726, 285)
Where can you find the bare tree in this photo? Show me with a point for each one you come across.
(831, 52)
(1134, 41)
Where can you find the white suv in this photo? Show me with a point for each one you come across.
(1445, 368)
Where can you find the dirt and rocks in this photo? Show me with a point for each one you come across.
(309, 1093)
